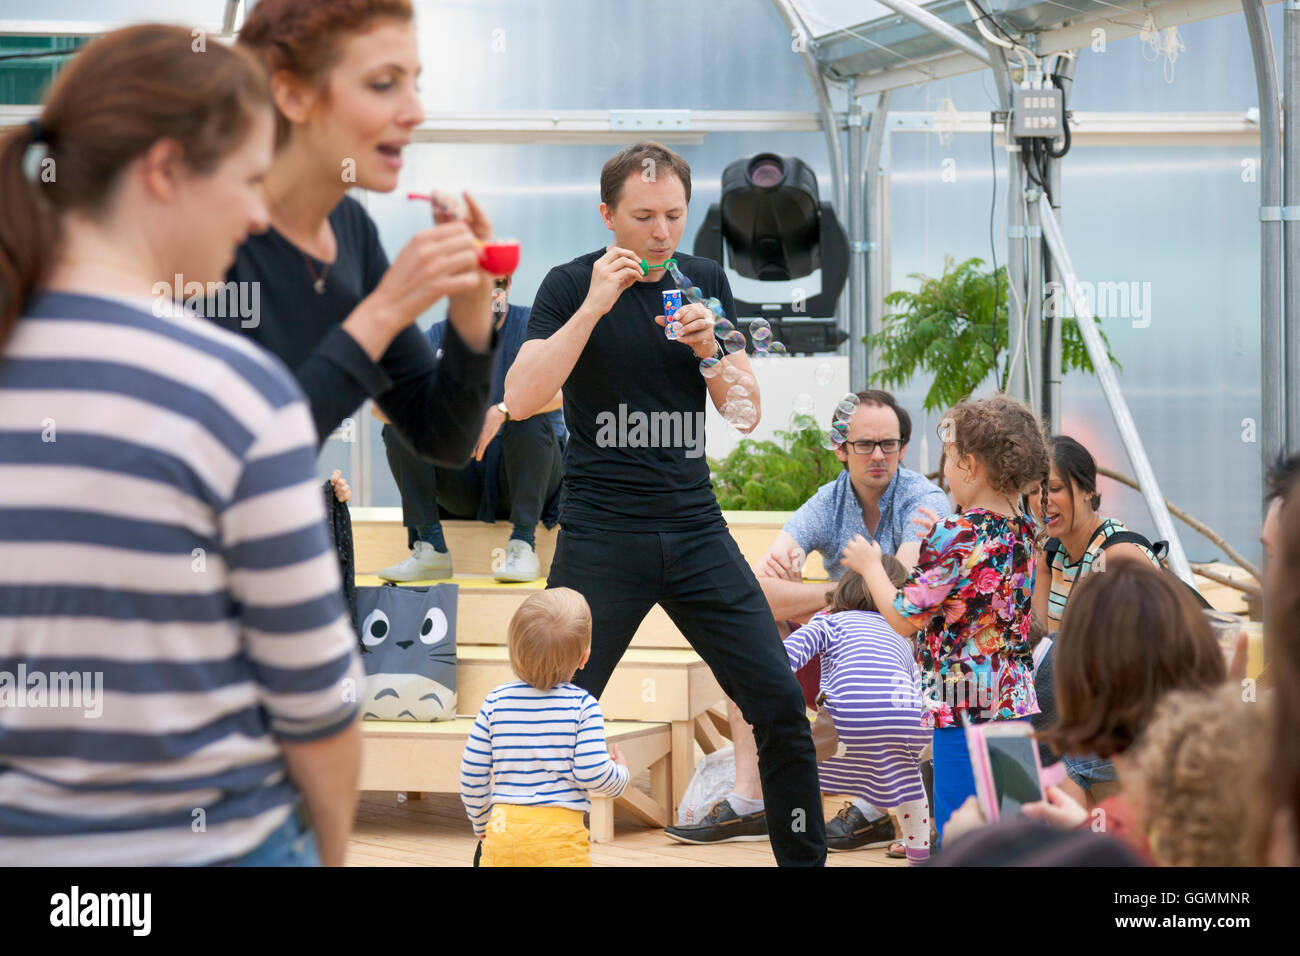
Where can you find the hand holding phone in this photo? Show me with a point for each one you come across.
(1004, 761)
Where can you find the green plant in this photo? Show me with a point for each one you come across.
(775, 475)
(955, 328)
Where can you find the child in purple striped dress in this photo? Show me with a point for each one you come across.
(873, 693)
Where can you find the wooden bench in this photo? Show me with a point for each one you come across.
(425, 758)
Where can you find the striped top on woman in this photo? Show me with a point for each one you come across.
(164, 564)
(1065, 573)
(873, 694)
(537, 748)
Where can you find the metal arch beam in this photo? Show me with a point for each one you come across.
(830, 125)
(1272, 432)
(1291, 221)
(1128, 433)
(928, 21)
(228, 18)
(876, 226)
(1080, 34)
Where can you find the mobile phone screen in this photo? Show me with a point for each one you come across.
(1015, 775)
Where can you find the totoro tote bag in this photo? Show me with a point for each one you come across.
(408, 646)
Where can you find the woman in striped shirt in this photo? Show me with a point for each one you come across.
(177, 672)
(1080, 544)
(1080, 533)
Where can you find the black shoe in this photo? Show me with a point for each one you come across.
(851, 831)
(723, 825)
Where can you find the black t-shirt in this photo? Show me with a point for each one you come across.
(634, 406)
(437, 406)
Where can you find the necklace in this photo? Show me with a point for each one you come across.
(318, 281)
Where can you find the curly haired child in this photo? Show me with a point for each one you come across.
(969, 594)
(1195, 767)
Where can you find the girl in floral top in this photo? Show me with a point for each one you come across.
(969, 594)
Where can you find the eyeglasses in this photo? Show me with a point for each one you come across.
(865, 447)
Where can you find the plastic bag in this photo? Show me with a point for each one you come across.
(714, 779)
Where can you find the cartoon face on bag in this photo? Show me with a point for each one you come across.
(410, 642)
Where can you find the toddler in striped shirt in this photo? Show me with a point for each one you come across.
(537, 749)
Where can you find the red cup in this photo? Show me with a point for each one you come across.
(500, 257)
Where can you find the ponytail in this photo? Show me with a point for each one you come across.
(28, 227)
(120, 94)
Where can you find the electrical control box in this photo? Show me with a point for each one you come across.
(1037, 113)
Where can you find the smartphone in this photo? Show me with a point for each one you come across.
(1004, 761)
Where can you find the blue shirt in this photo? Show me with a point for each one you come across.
(828, 520)
(512, 337)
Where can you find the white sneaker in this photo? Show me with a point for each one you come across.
(426, 563)
(521, 563)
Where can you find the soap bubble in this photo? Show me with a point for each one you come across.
(730, 373)
(734, 341)
(824, 374)
(746, 414)
(804, 404)
(695, 294)
(840, 429)
(746, 380)
(778, 348)
(714, 305)
(709, 367)
(737, 393)
(847, 406)
(756, 324)
(729, 411)
(829, 442)
(723, 327)
(760, 336)
(760, 350)
(673, 330)
(681, 279)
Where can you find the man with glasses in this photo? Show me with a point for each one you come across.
(882, 501)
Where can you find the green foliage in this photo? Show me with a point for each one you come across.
(955, 329)
(772, 476)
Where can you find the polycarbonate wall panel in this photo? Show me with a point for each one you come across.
(1175, 230)
(593, 54)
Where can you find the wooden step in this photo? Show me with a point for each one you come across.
(425, 758)
(655, 684)
(484, 608)
(379, 540)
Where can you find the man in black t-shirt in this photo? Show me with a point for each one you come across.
(640, 524)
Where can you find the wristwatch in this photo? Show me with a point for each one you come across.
(501, 407)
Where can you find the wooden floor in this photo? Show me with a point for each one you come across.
(433, 831)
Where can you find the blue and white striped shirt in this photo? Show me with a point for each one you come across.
(537, 748)
(164, 562)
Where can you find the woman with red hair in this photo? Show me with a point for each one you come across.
(343, 79)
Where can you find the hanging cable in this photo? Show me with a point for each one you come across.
(978, 16)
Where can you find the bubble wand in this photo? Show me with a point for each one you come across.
(497, 256)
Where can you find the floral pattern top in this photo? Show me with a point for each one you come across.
(969, 596)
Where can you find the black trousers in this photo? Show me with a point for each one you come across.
(530, 472)
(704, 584)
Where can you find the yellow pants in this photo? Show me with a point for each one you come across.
(535, 836)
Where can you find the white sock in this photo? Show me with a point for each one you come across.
(868, 811)
(744, 805)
